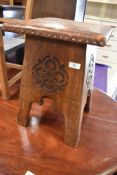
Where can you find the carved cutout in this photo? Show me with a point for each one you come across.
(90, 71)
(50, 75)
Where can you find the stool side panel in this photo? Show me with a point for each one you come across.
(46, 63)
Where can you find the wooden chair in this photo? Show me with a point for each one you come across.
(5, 48)
(7, 45)
(74, 9)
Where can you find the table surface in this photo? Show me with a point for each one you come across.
(39, 147)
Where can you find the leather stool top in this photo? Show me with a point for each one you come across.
(61, 29)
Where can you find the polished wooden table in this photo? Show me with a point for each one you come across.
(57, 67)
(39, 147)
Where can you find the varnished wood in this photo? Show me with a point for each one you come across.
(110, 171)
(39, 147)
(15, 66)
(72, 9)
(11, 2)
(3, 71)
(28, 11)
(52, 44)
(16, 77)
(39, 8)
(50, 8)
(66, 95)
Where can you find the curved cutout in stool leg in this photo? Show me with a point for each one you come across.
(88, 103)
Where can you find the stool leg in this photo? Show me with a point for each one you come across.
(25, 106)
(25, 99)
(73, 119)
(27, 96)
(29, 93)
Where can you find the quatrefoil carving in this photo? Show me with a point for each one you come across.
(50, 74)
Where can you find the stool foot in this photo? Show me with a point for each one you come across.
(71, 140)
(23, 114)
(73, 119)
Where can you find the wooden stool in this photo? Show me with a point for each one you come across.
(56, 67)
(33, 9)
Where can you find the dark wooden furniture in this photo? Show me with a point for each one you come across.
(56, 67)
(49, 8)
(72, 9)
(39, 148)
(18, 2)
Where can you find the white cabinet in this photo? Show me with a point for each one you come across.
(106, 55)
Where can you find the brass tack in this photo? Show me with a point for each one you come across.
(79, 40)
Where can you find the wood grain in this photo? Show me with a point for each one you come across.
(40, 148)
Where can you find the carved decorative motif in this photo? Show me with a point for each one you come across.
(90, 71)
(50, 74)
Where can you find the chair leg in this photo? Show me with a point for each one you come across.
(11, 2)
(3, 77)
